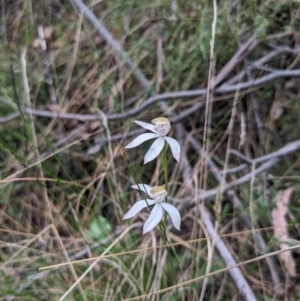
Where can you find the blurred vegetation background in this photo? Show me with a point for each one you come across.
(74, 75)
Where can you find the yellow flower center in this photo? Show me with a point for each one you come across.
(158, 193)
(162, 125)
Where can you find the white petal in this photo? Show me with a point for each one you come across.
(143, 187)
(137, 207)
(140, 139)
(174, 213)
(147, 126)
(154, 218)
(175, 147)
(154, 150)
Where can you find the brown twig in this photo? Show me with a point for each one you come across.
(223, 89)
(228, 259)
(227, 188)
(110, 40)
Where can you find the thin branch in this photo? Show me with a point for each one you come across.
(228, 88)
(110, 40)
(242, 52)
(234, 169)
(227, 188)
(247, 178)
(284, 151)
(264, 60)
(225, 88)
(235, 273)
(9, 118)
(228, 259)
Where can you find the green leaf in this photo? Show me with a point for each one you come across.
(99, 228)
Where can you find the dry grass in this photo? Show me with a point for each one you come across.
(65, 179)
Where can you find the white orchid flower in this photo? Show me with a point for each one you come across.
(160, 128)
(158, 194)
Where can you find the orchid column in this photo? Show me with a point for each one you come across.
(160, 128)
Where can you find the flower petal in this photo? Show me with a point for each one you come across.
(143, 187)
(140, 139)
(147, 126)
(174, 214)
(137, 207)
(175, 147)
(154, 218)
(154, 150)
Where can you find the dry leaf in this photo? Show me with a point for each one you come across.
(94, 126)
(48, 32)
(36, 43)
(281, 229)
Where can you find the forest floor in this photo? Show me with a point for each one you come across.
(75, 75)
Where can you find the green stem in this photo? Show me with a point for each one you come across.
(165, 168)
(165, 165)
(163, 225)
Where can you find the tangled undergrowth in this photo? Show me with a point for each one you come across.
(74, 76)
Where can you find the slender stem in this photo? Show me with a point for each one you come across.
(165, 166)
(164, 222)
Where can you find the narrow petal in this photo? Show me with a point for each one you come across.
(154, 218)
(174, 214)
(175, 147)
(147, 126)
(137, 207)
(154, 150)
(140, 139)
(143, 187)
